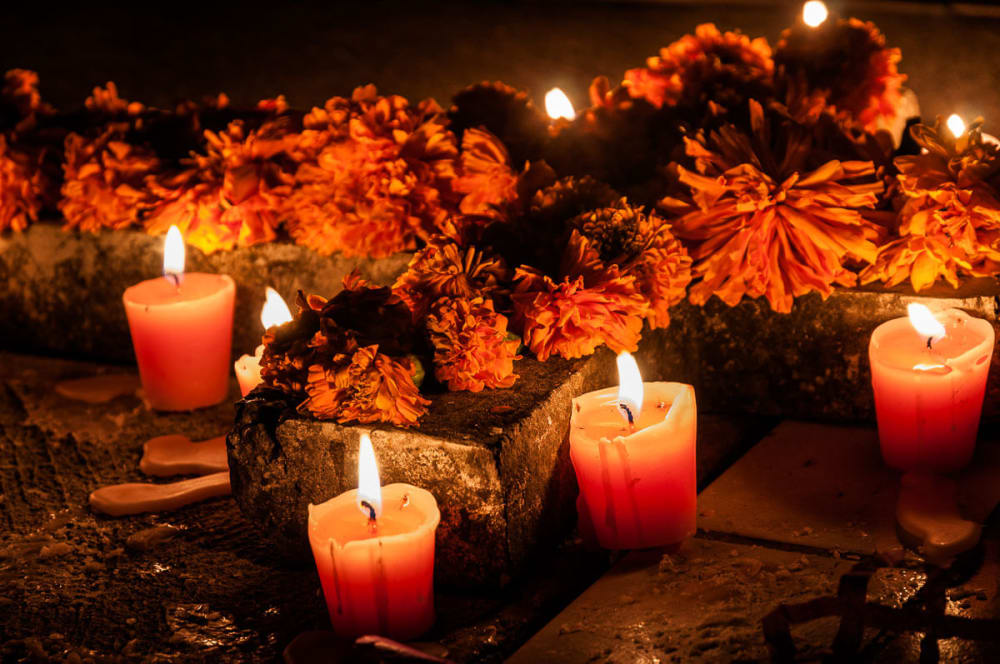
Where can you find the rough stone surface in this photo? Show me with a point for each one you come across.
(62, 292)
(825, 486)
(200, 584)
(810, 363)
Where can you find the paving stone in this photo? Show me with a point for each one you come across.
(825, 486)
(62, 292)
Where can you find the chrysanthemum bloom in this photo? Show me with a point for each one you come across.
(763, 221)
(446, 268)
(724, 67)
(375, 175)
(104, 181)
(486, 180)
(507, 113)
(641, 245)
(848, 63)
(231, 194)
(364, 386)
(591, 304)
(23, 186)
(472, 348)
(20, 101)
(949, 224)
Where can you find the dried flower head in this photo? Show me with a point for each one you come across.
(446, 268)
(505, 112)
(24, 186)
(104, 180)
(375, 175)
(472, 348)
(949, 224)
(229, 195)
(763, 221)
(847, 62)
(643, 246)
(723, 67)
(347, 357)
(588, 305)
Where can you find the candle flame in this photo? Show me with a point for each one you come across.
(173, 254)
(814, 13)
(274, 311)
(924, 322)
(558, 105)
(369, 486)
(629, 386)
(956, 125)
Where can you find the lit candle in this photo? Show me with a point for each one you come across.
(929, 377)
(633, 449)
(182, 327)
(558, 106)
(274, 312)
(374, 550)
(814, 13)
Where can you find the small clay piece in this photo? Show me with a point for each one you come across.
(98, 389)
(927, 513)
(139, 497)
(175, 454)
(149, 538)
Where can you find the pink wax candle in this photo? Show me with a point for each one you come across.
(182, 326)
(274, 312)
(929, 377)
(374, 551)
(633, 450)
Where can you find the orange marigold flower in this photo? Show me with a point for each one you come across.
(106, 100)
(23, 186)
(104, 181)
(472, 348)
(231, 194)
(707, 66)
(20, 101)
(375, 175)
(446, 268)
(364, 386)
(766, 223)
(949, 224)
(592, 304)
(487, 180)
(847, 62)
(641, 245)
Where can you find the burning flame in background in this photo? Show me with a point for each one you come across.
(558, 105)
(275, 311)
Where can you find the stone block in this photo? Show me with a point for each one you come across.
(811, 363)
(61, 292)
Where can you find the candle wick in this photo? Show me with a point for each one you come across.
(174, 277)
(929, 340)
(372, 521)
(628, 414)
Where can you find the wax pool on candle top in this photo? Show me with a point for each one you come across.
(929, 400)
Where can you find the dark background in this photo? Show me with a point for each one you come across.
(160, 52)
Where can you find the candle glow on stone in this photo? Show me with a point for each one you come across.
(924, 322)
(814, 13)
(630, 391)
(173, 255)
(369, 485)
(558, 105)
(955, 125)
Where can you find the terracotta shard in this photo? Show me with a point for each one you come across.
(175, 454)
(140, 497)
(98, 389)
